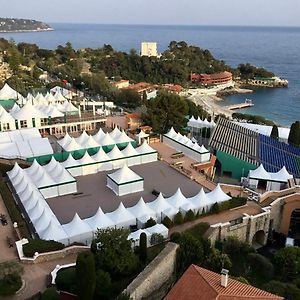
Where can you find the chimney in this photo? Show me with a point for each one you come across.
(224, 278)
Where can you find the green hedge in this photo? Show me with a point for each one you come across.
(41, 246)
(12, 209)
(10, 284)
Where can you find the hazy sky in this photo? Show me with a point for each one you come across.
(185, 12)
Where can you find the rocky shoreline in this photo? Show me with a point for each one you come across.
(26, 30)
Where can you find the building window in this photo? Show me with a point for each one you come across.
(5, 126)
(44, 121)
(23, 123)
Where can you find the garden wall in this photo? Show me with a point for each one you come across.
(155, 275)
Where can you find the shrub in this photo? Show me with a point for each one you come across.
(151, 222)
(156, 238)
(10, 284)
(143, 247)
(66, 280)
(178, 219)
(215, 209)
(103, 284)
(198, 230)
(41, 246)
(167, 222)
(9, 267)
(50, 294)
(189, 216)
(85, 275)
(175, 237)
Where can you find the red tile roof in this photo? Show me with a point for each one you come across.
(200, 283)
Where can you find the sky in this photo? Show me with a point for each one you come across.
(172, 12)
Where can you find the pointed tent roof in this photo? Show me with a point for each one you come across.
(65, 140)
(145, 148)
(14, 171)
(77, 226)
(82, 138)
(53, 231)
(28, 111)
(72, 146)
(36, 211)
(58, 172)
(15, 108)
(99, 220)
(100, 156)
(121, 215)
(160, 204)
(69, 107)
(199, 200)
(122, 138)
(141, 209)
(41, 223)
(158, 228)
(106, 140)
(178, 199)
(99, 135)
(50, 110)
(115, 153)
(86, 159)
(217, 195)
(5, 117)
(58, 96)
(91, 143)
(40, 99)
(7, 93)
(203, 149)
(259, 173)
(171, 133)
(135, 236)
(124, 175)
(129, 151)
(115, 133)
(282, 175)
(70, 162)
(50, 98)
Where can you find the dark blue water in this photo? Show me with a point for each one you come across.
(277, 49)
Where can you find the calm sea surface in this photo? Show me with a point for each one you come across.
(277, 49)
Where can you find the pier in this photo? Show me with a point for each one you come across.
(246, 104)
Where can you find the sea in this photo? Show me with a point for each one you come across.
(274, 48)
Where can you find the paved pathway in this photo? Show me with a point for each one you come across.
(35, 276)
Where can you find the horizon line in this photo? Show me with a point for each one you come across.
(181, 25)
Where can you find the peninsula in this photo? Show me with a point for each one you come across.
(22, 25)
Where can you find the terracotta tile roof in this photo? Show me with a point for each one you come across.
(200, 283)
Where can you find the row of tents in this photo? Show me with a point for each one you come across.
(199, 123)
(114, 159)
(85, 141)
(182, 143)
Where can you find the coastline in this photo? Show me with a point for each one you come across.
(26, 30)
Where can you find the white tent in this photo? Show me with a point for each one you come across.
(124, 181)
(135, 236)
(41, 223)
(64, 180)
(159, 229)
(122, 138)
(105, 140)
(78, 231)
(54, 231)
(103, 160)
(273, 181)
(82, 139)
(178, 200)
(90, 143)
(58, 95)
(162, 208)
(88, 165)
(171, 133)
(132, 156)
(121, 217)
(65, 140)
(147, 153)
(142, 135)
(15, 108)
(115, 133)
(7, 122)
(200, 201)
(27, 113)
(7, 93)
(72, 165)
(99, 220)
(68, 107)
(116, 157)
(50, 110)
(142, 212)
(217, 196)
(72, 146)
(99, 136)
(50, 98)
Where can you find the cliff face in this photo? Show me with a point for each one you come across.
(15, 25)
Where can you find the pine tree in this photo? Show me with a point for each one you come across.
(86, 275)
(274, 132)
(143, 247)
